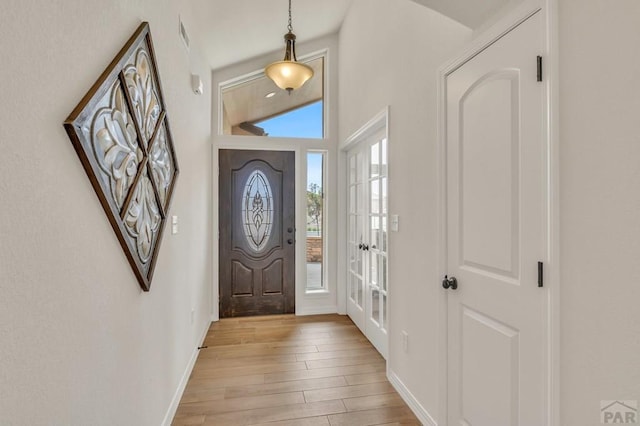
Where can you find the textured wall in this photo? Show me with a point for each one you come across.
(600, 206)
(395, 65)
(79, 342)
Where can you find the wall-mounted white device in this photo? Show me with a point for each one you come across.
(196, 84)
(174, 225)
(395, 222)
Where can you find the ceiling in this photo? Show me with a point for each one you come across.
(236, 30)
(471, 13)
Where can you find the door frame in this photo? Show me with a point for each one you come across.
(514, 18)
(377, 123)
(299, 248)
(307, 303)
(260, 156)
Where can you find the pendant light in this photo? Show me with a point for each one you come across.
(289, 74)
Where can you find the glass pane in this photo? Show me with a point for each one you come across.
(383, 273)
(374, 169)
(360, 291)
(259, 108)
(384, 200)
(354, 199)
(375, 196)
(353, 257)
(359, 261)
(384, 311)
(352, 169)
(375, 306)
(374, 235)
(373, 269)
(383, 169)
(384, 234)
(314, 276)
(352, 228)
(353, 284)
(315, 220)
(257, 210)
(301, 122)
(358, 166)
(353, 203)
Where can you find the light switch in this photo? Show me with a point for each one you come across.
(395, 222)
(174, 225)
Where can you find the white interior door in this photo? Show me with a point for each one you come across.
(356, 269)
(368, 228)
(497, 200)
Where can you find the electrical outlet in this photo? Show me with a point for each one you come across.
(405, 341)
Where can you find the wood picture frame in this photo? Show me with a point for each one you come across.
(121, 134)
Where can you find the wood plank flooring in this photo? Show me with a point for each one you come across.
(285, 370)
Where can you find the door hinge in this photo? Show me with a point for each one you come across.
(540, 274)
(539, 64)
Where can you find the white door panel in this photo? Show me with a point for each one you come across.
(367, 222)
(496, 234)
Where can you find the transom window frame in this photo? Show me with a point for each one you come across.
(254, 75)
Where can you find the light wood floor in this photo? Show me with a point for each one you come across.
(285, 370)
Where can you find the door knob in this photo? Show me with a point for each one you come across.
(365, 247)
(289, 230)
(289, 241)
(360, 246)
(450, 283)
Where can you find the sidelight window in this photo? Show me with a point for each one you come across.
(315, 221)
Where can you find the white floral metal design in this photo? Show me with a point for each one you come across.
(143, 218)
(257, 210)
(143, 93)
(115, 145)
(121, 133)
(161, 165)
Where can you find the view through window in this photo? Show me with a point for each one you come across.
(304, 122)
(259, 108)
(315, 221)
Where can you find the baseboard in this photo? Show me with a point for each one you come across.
(317, 310)
(177, 396)
(421, 413)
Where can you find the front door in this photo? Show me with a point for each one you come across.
(257, 233)
(367, 221)
(497, 200)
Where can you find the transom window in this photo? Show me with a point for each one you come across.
(259, 108)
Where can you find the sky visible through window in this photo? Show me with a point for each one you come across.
(305, 122)
(314, 169)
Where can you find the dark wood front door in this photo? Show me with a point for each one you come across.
(257, 232)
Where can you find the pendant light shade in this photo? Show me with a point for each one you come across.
(289, 74)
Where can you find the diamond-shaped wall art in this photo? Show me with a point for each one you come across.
(121, 133)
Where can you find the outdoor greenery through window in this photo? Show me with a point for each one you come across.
(315, 221)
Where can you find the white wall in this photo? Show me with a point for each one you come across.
(600, 205)
(80, 343)
(389, 53)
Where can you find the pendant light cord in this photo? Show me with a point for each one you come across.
(290, 26)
